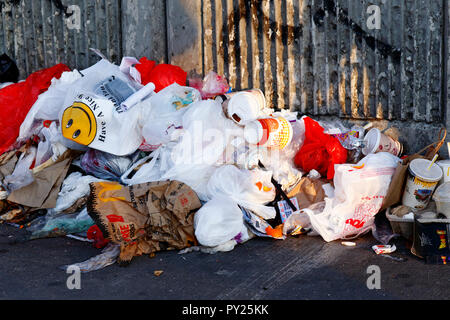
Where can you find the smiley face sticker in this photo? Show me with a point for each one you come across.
(79, 124)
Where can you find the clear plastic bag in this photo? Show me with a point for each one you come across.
(211, 86)
(162, 115)
(106, 258)
(55, 224)
(107, 166)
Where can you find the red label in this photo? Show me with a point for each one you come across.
(114, 218)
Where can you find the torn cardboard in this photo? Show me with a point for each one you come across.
(144, 218)
(43, 191)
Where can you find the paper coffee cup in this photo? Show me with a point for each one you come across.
(375, 142)
(271, 133)
(421, 183)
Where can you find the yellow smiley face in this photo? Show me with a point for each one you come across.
(79, 124)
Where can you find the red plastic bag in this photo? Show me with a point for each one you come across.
(17, 99)
(164, 75)
(94, 233)
(320, 151)
(145, 68)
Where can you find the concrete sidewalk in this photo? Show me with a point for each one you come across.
(261, 269)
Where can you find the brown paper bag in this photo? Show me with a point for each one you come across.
(144, 218)
(308, 192)
(397, 186)
(43, 191)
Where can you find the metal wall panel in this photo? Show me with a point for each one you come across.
(315, 56)
(320, 57)
(37, 34)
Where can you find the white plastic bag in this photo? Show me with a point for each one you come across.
(359, 193)
(92, 114)
(162, 116)
(48, 105)
(74, 187)
(241, 237)
(202, 147)
(148, 172)
(250, 189)
(50, 145)
(218, 221)
(22, 175)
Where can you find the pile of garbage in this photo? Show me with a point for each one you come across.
(140, 158)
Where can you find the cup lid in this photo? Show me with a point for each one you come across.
(371, 141)
(420, 168)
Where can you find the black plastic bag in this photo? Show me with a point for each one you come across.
(8, 69)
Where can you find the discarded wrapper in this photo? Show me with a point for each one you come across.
(382, 249)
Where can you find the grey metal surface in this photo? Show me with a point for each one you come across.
(319, 56)
(315, 56)
(37, 34)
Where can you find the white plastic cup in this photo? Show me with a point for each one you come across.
(375, 142)
(270, 133)
(445, 166)
(442, 198)
(421, 183)
(244, 106)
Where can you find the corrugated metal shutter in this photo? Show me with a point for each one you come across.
(319, 56)
(36, 33)
(315, 56)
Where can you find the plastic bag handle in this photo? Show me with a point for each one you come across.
(280, 190)
(437, 146)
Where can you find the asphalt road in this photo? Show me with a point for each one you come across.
(295, 269)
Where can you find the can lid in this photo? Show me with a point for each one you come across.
(253, 132)
(371, 141)
(419, 167)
